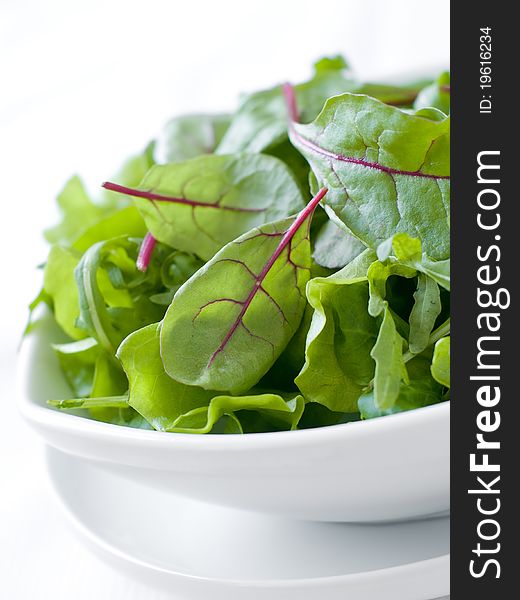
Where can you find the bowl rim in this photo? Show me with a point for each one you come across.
(51, 418)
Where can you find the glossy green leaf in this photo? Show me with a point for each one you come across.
(334, 247)
(202, 204)
(441, 362)
(426, 309)
(125, 221)
(387, 170)
(229, 323)
(437, 94)
(189, 136)
(152, 393)
(388, 356)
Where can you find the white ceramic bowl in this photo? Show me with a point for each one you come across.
(391, 468)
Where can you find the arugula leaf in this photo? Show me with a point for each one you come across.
(334, 248)
(388, 356)
(101, 402)
(424, 313)
(229, 323)
(338, 365)
(440, 368)
(189, 136)
(202, 204)
(421, 390)
(387, 170)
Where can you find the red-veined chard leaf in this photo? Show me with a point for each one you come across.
(387, 170)
(229, 323)
(202, 204)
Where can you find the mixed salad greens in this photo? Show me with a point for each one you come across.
(283, 267)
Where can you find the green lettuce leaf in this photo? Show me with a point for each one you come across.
(338, 365)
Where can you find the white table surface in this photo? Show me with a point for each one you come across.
(85, 83)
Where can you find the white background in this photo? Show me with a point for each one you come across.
(86, 83)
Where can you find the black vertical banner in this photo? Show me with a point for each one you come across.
(485, 349)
